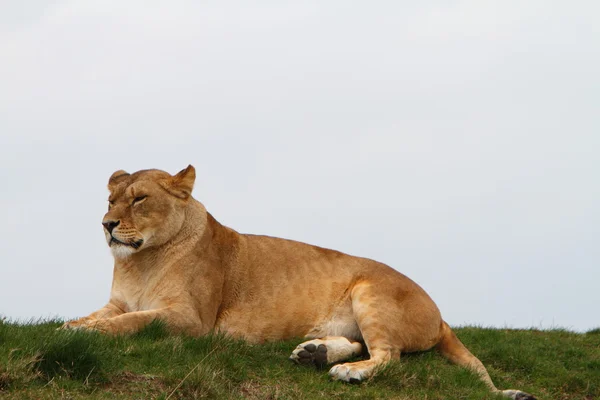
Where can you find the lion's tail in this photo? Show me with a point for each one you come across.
(453, 349)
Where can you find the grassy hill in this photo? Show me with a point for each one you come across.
(38, 362)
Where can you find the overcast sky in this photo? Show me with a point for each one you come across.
(457, 141)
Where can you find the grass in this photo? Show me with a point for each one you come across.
(39, 362)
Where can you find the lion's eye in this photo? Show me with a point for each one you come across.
(138, 199)
(110, 204)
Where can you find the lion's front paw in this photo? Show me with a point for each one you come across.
(87, 324)
(75, 324)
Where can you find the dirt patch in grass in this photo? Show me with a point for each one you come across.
(128, 382)
(5, 381)
(256, 390)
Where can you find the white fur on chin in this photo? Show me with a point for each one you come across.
(121, 251)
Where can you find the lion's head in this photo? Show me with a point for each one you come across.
(145, 209)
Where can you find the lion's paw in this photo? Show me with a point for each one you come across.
(313, 352)
(75, 324)
(348, 373)
(85, 324)
(517, 395)
(327, 350)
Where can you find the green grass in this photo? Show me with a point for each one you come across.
(39, 362)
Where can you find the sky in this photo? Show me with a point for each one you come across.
(456, 141)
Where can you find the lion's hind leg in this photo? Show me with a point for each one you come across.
(373, 321)
(358, 371)
(327, 350)
(334, 349)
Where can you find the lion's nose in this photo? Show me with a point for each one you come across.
(110, 225)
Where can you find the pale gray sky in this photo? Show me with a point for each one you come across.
(457, 141)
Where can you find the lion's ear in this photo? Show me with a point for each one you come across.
(116, 178)
(182, 184)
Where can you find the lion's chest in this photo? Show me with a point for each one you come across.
(137, 296)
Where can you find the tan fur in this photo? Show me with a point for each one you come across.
(176, 263)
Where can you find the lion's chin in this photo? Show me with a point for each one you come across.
(121, 250)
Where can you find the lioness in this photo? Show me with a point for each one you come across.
(176, 263)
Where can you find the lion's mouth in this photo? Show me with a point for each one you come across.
(136, 244)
